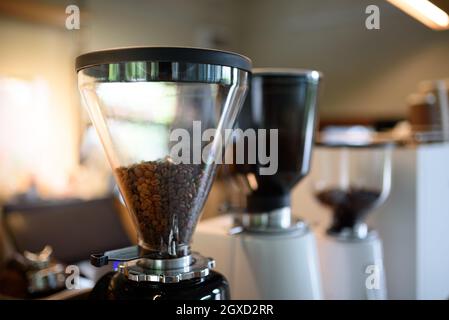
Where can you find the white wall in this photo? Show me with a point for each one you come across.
(160, 22)
(367, 73)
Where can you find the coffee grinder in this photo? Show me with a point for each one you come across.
(351, 179)
(152, 108)
(264, 251)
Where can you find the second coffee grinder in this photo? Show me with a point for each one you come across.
(265, 252)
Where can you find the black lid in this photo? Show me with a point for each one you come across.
(163, 54)
(283, 73)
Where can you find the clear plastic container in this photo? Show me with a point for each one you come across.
(284, 100)
(351, 180)
(150, 107)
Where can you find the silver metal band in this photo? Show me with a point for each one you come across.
(279, 220)
(167, 270)
(357, 233)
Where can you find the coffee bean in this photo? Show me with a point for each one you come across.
(138, 172)
(166, 199)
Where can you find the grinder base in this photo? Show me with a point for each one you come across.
(262, 265)
(141, 276)
(115, 286)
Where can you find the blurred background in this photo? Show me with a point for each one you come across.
(368, 73)
(49, 153)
